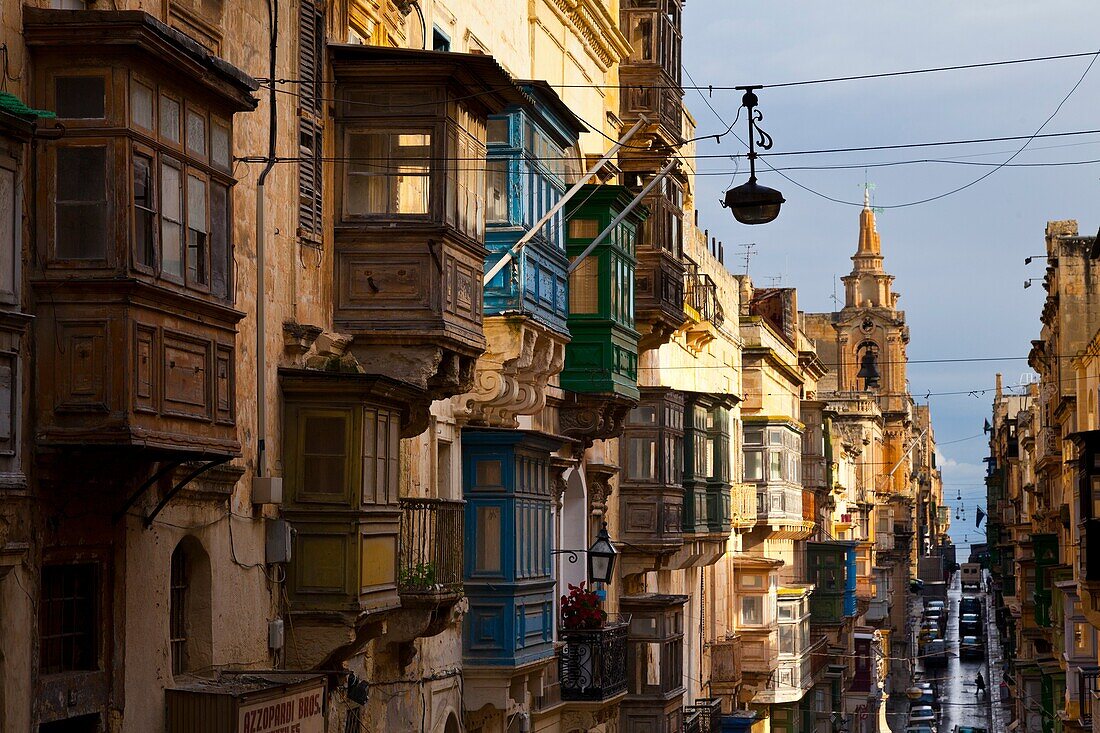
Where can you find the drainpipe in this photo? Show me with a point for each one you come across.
(261, 331)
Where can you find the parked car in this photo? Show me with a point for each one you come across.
(971, 575)
(921, 728)
(916, 585)
(970, 625)
(970, 604)
(922, 714)
(971, 648)
(934, 651)
(935, 603)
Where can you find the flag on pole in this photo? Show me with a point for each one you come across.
(980, 516)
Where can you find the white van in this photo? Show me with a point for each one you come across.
(971, 575)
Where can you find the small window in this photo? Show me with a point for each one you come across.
(324, 454)
(388, 173)
(749, 580)
(584, 228)
(145, 212)
(641, 37)
(752, 610)
(440, 40)
(584, 286)
(221, 256)
(80, 97)
(196, 231)
(196, 133)
(81, 205)
(787, 638)
(496, 179)
(497, 131)
(219, 145)
(170, 119)
(754, 437)
(171, 220)
(68, 618)
(754, 466)
(141, 105)
(641, 459)
(177, 633)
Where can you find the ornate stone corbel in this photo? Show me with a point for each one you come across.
(598, 478)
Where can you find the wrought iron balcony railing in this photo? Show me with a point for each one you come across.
(701, 295)
(431, 547)
(707, 711)
(1088, 684)
(592, 662)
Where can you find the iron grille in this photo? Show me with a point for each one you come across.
(592, 662)
(708, 712)
(1088, 685)
(68, 618)
(431, 546)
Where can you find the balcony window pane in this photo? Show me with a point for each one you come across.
(754, 437)
(196, 231)
(145, 212)
(171, 220)
(641, 36)
(754, 466)
(641, 459)
(10, 219)
(487, 559)
(324, 454)
(496, 177)
(221, 257)
(775, 466)
(141, 105)
(81, 205)
(585, 229)
(787, 638)
(170, 119)
(388, 173)
(196, 133)
(752, 610)
(584, 287)
(219, 145)
(497, 130)
(80, 97)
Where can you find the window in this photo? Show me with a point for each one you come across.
(584, 286)
(80, 97)
(68, 618)
(388, 173)
(786, 612)
(10, 219)
(177, 603)
(641, 37)
(641, 459)
(497, 182)
(169, 119)
(754, 466)
(196, 134)
(787, 637)
(440, 40)
(775, 466)
(497, 130)
(196, 231)
(752, 581)
(754, 437)
(219, 144)
(487, 559)
(752, 610)
(80, 208)
(324, 453)
(221, 256)
(311, 24)
(171, 220)
(489, 474)
(145, 212)
(141, 105)
(1080, 638)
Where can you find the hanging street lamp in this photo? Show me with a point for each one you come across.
(750, 202)
(601, 557)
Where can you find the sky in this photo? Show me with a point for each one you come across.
(958, 261)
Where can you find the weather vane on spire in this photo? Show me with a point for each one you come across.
(867, 188)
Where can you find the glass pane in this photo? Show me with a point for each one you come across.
(324, 457)
(220, 255)
(497, 130)
(584, 287)
(497, 182)
(642, 458)
(584, 228)
(752, 611)
(80, 97)
(641, 38)
(219, 145)
(388, 173)
(81, 206)
(141, 105)
(171, 222)
(170, 119)
(9, 219)
(144, 212)
(196, 230)
(754, 466)
(487, 558)
(196, 133)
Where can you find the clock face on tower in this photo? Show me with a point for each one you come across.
(867, 326)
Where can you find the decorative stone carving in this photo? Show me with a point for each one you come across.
(558, 483)
(598, 478)
(591, 417)
(511, 376)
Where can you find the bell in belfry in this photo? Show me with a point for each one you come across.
(868, 370)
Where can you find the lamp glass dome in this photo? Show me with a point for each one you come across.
(752, 203)
(601, 557)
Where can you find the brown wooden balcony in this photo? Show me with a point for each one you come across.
(430, 558)
(592, 662)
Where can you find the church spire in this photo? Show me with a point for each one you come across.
(868, 285)
(869, 243)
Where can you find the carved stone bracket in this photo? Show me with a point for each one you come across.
(511, 376)
(591, 417)
(558, 483)
(598, 478)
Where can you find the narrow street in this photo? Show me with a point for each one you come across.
(959, 702)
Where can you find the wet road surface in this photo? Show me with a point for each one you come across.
(959, 702)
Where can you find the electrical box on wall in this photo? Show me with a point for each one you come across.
(267, 490)
(278, 543)
(275, 634)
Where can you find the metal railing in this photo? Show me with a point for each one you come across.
(1088, 683)
(708, 712)
(431, 546)
(701, 295)
(592, 662)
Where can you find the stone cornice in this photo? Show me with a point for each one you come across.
(595, 26)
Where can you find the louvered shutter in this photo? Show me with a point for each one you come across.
(310, 131)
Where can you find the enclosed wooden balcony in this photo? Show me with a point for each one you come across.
(132, 282)
(410, 214)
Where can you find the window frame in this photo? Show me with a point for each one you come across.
(11, 166)
(436, 175)
(52, 190)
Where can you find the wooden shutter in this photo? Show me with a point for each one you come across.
(311, 28)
